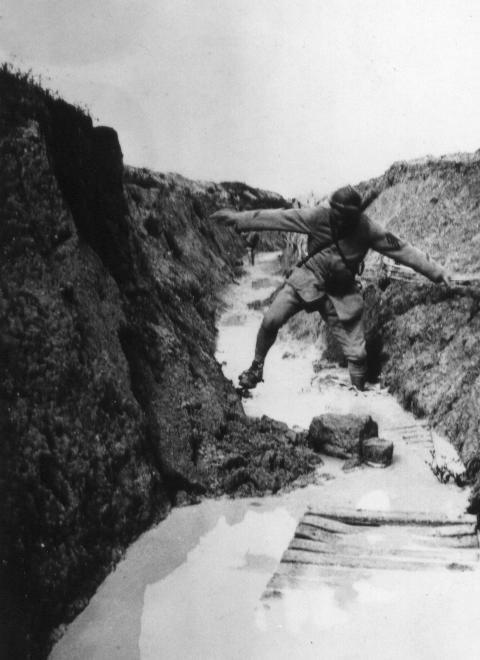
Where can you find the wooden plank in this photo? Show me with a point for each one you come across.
(436, 541)
(392, 563)
(328, 525)
(450, 536)
(316, 572)
(422, 424)
(465, 280)
(375, 518)
(361, 537)
(307, 531)
(445, 555)
(453, 531)
(388, 546)
(435, 537)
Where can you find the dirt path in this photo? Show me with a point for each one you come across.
(192, 586)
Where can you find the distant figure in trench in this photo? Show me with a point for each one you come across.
(339, 237)
(251, 241)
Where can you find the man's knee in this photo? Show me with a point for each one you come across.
(283, 307)
(271, 322)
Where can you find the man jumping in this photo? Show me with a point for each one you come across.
(339, 238)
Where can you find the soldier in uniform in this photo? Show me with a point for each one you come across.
(251, 241)
(339, 237)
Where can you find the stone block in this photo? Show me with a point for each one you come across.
(377, 452)
(340, 435)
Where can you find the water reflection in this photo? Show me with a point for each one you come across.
(206, 607)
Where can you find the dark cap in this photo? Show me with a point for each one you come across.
(346, 200)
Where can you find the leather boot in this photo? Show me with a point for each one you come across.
(249, 378)
(358, 374)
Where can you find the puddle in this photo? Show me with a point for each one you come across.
(203, 618)
(191, 587)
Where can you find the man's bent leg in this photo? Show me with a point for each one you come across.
(285, 304)
(351, 337)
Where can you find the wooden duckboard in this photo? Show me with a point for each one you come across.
(331, 546)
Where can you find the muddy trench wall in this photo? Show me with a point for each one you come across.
(430, 359)
(112, 405)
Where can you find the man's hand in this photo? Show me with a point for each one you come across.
(446, 279)
(225, 217)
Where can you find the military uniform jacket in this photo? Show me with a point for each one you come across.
(309, 279)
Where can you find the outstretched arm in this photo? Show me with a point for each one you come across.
(400, 250)
(296, 220)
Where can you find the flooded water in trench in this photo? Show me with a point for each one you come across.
(191, 586)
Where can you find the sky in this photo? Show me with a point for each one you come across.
(289, 95)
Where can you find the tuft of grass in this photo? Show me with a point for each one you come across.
(24, 96)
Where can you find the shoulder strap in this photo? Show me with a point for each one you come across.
(316, 250)
(311, 254)
(340, 251)
(368, 199)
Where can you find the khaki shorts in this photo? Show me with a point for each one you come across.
(350, 334)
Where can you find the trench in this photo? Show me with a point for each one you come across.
(191, 586)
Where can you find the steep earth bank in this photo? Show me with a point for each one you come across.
(112, 406)
(430, 354)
